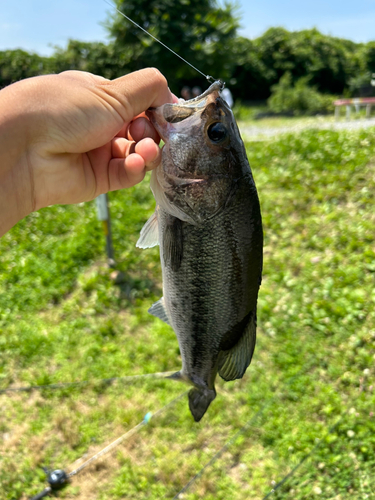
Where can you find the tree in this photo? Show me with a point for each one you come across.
(94, 57)
(251, 77)
(18, 64)
(298, 99)
(329, 61)
(197, 30)
(369, 54)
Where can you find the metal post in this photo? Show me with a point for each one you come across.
(337, 113)
(104, 216)
(348, 111)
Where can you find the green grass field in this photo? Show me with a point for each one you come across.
(309, 392)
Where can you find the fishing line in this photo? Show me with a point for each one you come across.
(317, 445)
(59, 478)
(221, 451)
(208, 77)
(61, 385)
(122, 438)
(249, 423)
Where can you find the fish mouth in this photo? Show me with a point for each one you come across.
(217, 86)
(164, 117)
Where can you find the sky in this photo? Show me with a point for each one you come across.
(39, 25)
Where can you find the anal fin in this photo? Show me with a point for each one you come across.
(234, 362)
(158, 310)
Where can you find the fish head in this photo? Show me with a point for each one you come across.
(203, 157)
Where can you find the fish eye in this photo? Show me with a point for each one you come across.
(217, 132)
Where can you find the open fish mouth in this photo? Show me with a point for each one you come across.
(196, 101)
(165, 116)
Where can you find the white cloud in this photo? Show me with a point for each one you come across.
(9, 26)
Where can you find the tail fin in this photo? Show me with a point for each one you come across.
(199, 398)
(199, 401)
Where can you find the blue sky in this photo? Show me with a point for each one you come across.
(38, 25)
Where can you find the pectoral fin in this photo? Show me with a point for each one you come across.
(234, 362)
(149, 236)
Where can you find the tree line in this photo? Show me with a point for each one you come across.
(206, 35)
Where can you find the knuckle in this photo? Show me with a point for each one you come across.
(158, 76)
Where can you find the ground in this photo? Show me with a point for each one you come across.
(307, 399)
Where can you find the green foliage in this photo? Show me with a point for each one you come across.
(328, 61)
(298, 99)
(18, 64)
(359, 81)
(205, 34)
(96, 57)
(251, 76)
(369, 54)
(243, 111)
(198, 30)
(309, 387)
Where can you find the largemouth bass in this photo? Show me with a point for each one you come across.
(209, 228)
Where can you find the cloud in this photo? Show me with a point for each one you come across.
(10, 26)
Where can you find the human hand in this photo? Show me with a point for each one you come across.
(76, 135)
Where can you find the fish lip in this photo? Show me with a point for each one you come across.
(200, 100)
(218, 86)
(157, 118)
(160, 126)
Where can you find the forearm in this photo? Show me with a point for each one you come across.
(15, 179)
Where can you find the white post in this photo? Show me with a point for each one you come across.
(104, 216)
(356, 102)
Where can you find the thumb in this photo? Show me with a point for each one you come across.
(138, 91)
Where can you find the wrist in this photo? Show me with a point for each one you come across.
(16, 199)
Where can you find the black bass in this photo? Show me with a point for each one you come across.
(209, 228)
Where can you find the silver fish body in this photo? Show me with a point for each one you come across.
(208, 225)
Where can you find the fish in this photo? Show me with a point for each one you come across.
(208, 225)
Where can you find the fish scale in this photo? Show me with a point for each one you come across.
(212, 275)
(209, 229)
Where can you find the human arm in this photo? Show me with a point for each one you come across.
(68, 138)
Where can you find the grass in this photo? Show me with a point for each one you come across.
(310, 387)
(248, 116)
